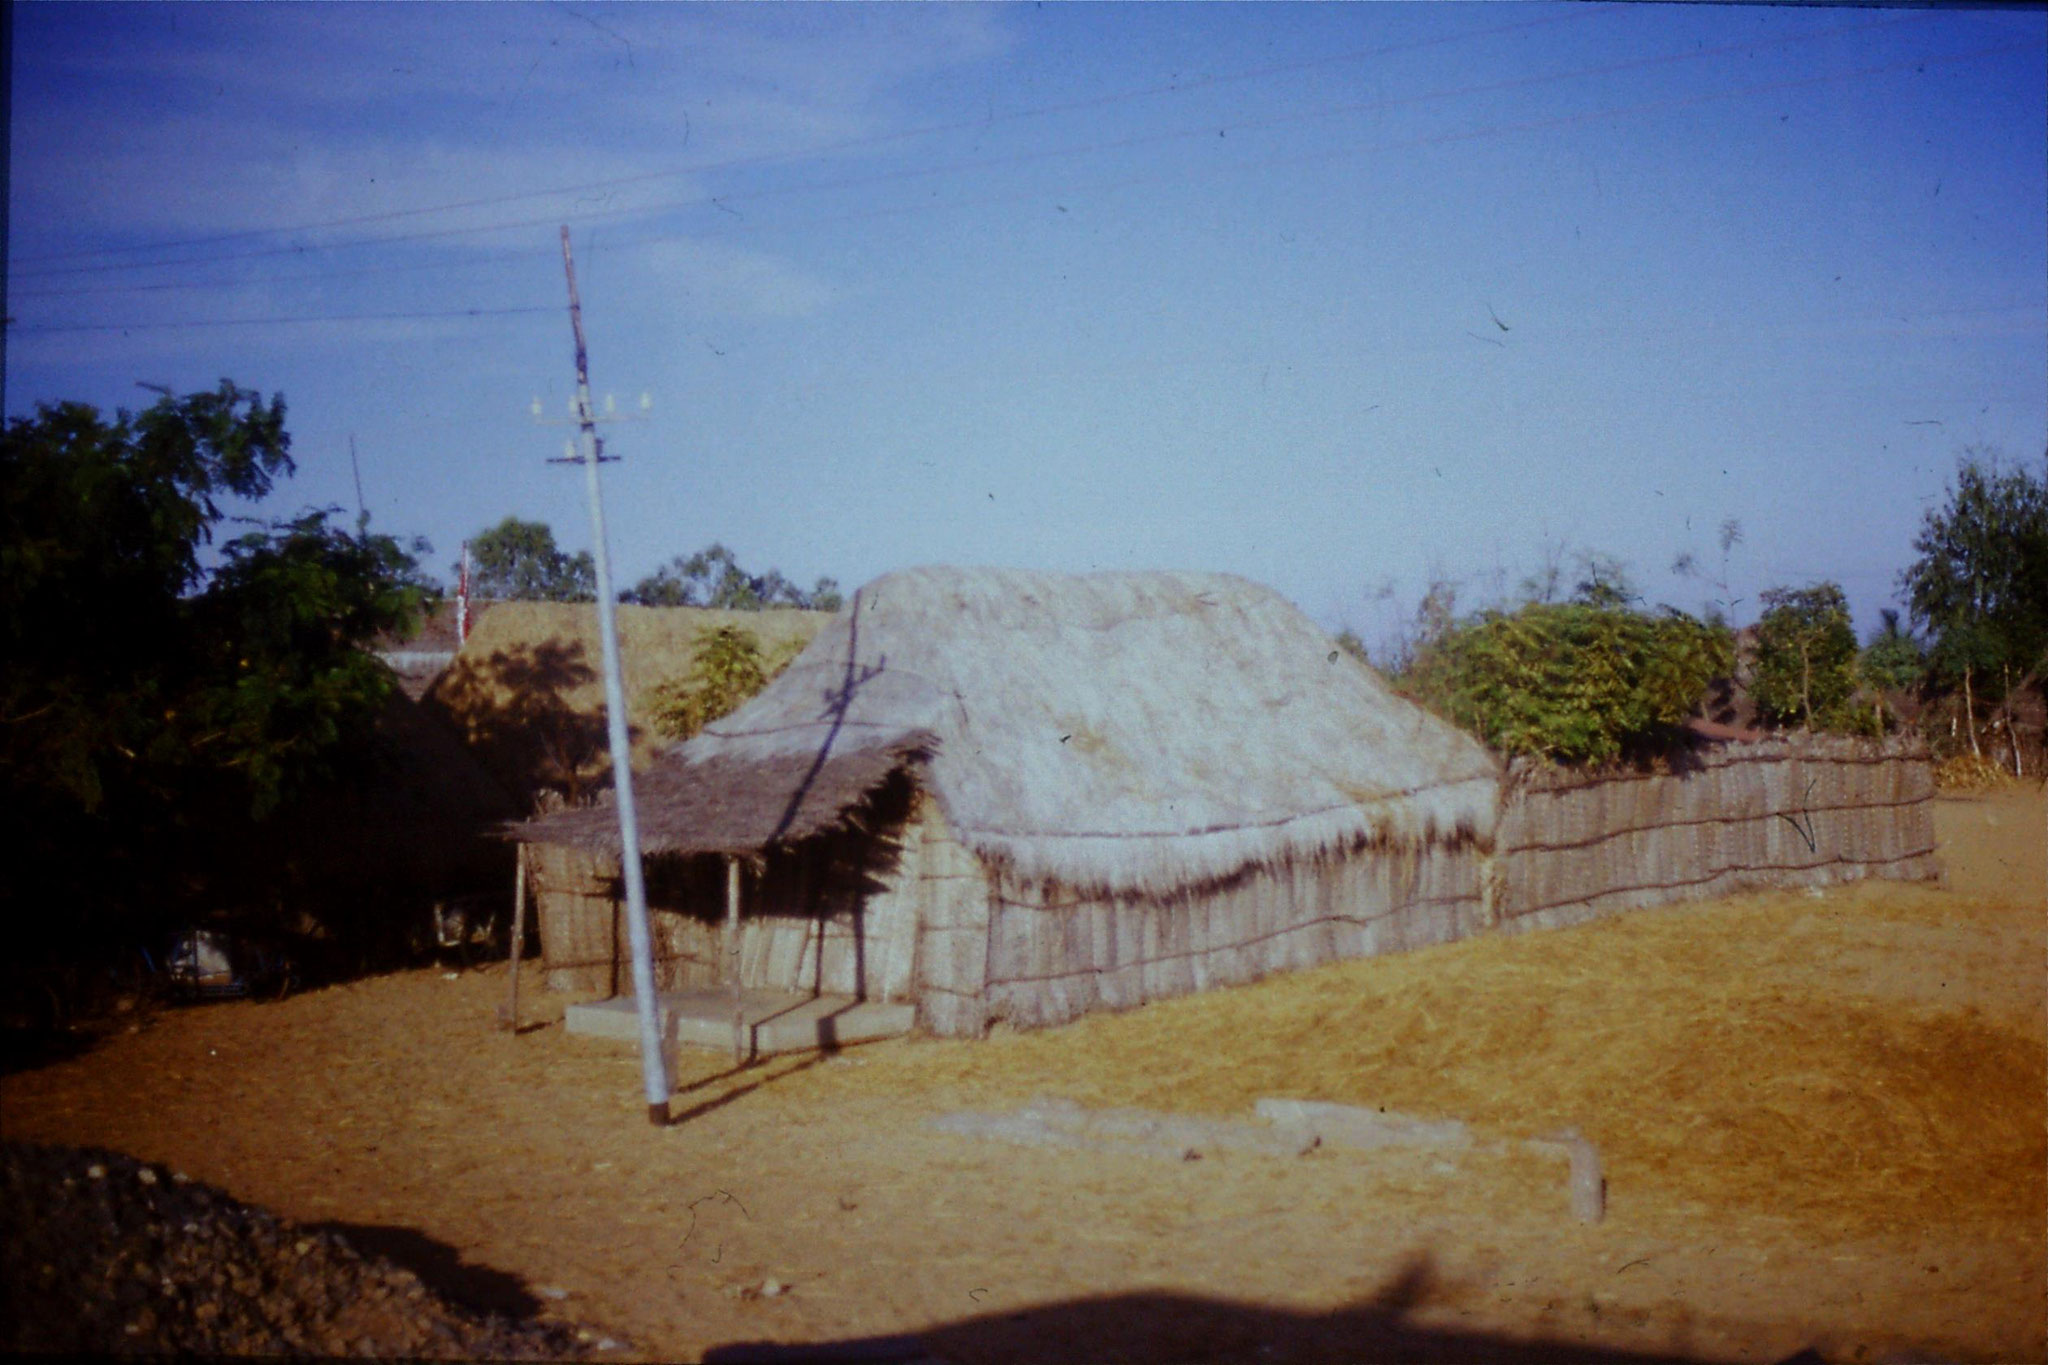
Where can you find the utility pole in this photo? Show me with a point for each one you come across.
(462, 599)
(653, 1069)
(362, 512)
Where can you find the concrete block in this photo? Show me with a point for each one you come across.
(1348, 1125)
(775, 1021)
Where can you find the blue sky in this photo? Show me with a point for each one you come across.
(1338, 297)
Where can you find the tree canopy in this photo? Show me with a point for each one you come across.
(152, 704)
(519, 561)
(713, 578)
(1980, 584)
(1806, 659)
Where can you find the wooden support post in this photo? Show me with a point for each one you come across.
(732, 955)
(518, 937)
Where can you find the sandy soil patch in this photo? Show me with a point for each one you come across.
(1823, 1119)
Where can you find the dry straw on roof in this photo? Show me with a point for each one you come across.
(1123, 732)
(527, 689)
(655, 643)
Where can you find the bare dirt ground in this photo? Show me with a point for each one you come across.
(1824, 1121)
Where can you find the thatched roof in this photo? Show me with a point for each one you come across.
(725, 805)
(527, 689)
(1121, 732)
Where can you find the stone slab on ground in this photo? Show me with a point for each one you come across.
(775, 1021)
(1282, 1127)
(1351, 1125)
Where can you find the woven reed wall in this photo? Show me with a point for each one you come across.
(951, 912)
(1794, 812)
(1052, 959)
(913, 914)
(838, 915)
(581, 928)
(583, 935)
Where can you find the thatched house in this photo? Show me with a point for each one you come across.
(1023, 796)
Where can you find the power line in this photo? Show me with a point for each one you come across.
(1434, 140)
(1430, 140)
(269, 322)
(982, 163)
(468, 261)
(1174, 87)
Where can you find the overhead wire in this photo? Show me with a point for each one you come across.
(469, 260)
(1361, 149)
(1176, 86)
(968, 165)
(186, 323)
(1326, 154)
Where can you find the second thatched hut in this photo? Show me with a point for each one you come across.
(1021, 796)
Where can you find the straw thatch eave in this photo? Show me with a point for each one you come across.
(731, 806)
(1127, 734)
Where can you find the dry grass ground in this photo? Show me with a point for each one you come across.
(1823, 1119)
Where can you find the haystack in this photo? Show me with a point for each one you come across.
(1015, 795)
(526, 690)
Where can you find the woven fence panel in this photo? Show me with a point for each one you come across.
(1783, 813)
(574, 900)
(1051, 960)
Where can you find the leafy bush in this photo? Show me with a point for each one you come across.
(1577, 681)
(727, 669)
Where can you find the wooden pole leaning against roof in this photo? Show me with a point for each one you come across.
(732, 958)
(518, 936)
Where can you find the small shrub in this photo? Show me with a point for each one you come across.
(727, 669)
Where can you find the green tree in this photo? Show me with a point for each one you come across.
(1806, 658)
(291, 690)
(1980, 584)
(713, 578)
(1892, 662)
(152, 708)
(726, 669)
(101, 528)
(519, 561)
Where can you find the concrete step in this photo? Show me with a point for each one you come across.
(775, 1021)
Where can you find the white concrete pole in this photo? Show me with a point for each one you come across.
(654, 1070)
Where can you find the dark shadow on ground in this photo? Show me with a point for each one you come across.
(1156, 1328)
(440, 1268)
(771, 1069)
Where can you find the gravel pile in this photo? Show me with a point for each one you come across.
(103, 1254)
